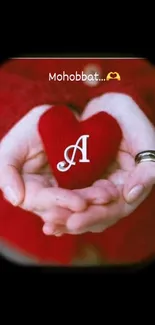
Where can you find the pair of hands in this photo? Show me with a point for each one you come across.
(26, 179)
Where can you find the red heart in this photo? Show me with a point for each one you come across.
(59, 128)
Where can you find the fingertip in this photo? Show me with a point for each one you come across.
(108, 191)
(70, 224)
(47, 229)
(78, 204)
(10, 195)
(74, 222)
(106, 195)
(12, 186)
(13, 195)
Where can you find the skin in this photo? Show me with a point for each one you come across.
(133, 182)
(92, 209)
(27, 181)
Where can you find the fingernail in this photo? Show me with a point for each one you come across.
(58, 234)
(135, 193)
(10, 195)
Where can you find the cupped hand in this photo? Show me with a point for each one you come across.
(26, 179)
(133, 182)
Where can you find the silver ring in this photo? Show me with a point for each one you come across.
(144, 156)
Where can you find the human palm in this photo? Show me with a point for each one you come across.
(138, 135)
(99, 217)
(24, 167)
(26, 175)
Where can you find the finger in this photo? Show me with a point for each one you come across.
(93, 229)
(96, 195)
(13, 152)
(97, 229)
(11, 160)
(40, 198)
(100, 193)
(106, 185)
(118, 177)
(139, 181)
(35, 164)
(47, 197)
(56, 215)
(125, 161)
(105, 215)
(59, 230)
(93, 216)
(54, 220)
(11, 182)
(52, 229)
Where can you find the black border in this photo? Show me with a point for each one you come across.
(141, 268)
(17, 43)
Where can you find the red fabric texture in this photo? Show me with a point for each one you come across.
(102, 145)
(24, 84)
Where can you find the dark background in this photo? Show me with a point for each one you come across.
(141, 268)
(21, 40)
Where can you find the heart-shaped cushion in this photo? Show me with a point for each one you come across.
(59, 129)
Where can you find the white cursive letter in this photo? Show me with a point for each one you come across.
(61, 165)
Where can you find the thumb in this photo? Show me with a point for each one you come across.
(11, 181)
(139, 181)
